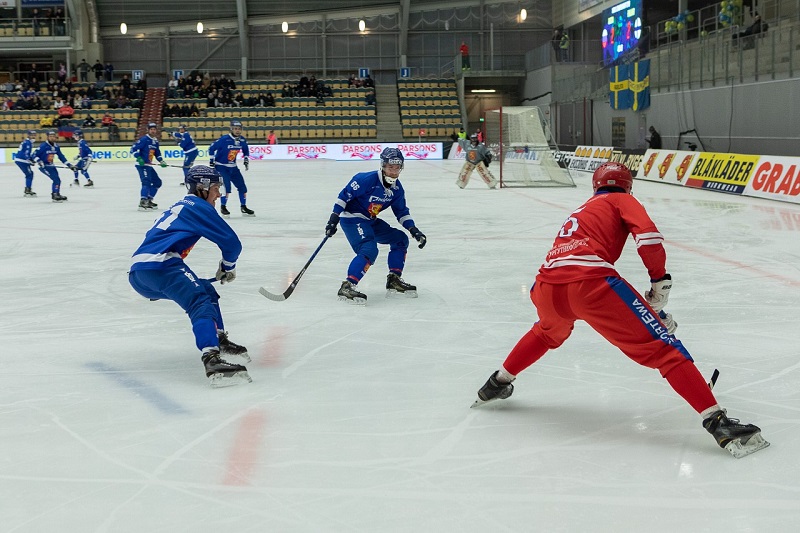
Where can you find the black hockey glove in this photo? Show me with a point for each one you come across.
(331, 226)
(419, 236)
(247, 163)
(212, 163)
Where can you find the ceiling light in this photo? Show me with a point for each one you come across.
(523, 14)
(123, 28)
(199, 27)
(483, 91)
(362, 25)
(284, 26)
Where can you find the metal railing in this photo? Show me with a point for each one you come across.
(35, 27)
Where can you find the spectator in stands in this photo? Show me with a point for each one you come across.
(655, 139)
(109, 71)
(272, 138)
(125, 82)
(91, 92)
(194, 110)
(368, 82)
(464, 56)
(36, 21)
(141, 85)
(211, 99)
(33, 73)
(287, 91)
(172, 88)
(320, 100)
(59, 103)
(59, 22)
(370, 98)
(62, 73)
(748, 35)
(86, 103)
(269, 100)
(238, 100)
(88, 122)
(8, 104)
(98, 70)
(83, 69)
(108, 119)
(564, 46)
(66, 111)
(555, 41)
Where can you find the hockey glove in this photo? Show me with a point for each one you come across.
(247, 163)
(140, 161)
(658, 295)
(40, 163)
(668, 321)
(72, 167)
(163, 163)
(419, 236)
(225, 276)
(331, 226)
(212, 163)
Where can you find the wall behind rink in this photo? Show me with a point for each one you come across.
(337, 152)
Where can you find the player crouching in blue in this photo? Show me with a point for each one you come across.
(357, 209)
(145, 150)
(45, 157)
(84, 159)
(223, 153)
(158, 271)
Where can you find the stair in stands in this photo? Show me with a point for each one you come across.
(154, 100)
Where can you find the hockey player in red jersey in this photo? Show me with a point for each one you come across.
(578, 281)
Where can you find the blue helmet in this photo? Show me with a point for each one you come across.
(31, 134)
(52, 132)
(391, 156)
(201, 177)
(77, 133)
(235, 123)
(152, 125)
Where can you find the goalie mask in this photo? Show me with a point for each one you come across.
(474, 139)
(200, 178)
(392, 163)
(612, 175)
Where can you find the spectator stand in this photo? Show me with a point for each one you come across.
(429, 104)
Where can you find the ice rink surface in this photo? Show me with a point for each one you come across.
(358, 418)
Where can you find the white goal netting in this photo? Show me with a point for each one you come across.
(523, 145)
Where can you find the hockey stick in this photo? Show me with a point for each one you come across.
(713, 381)
(288, 292)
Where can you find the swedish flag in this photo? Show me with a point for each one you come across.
(621, 96)
(640, 84)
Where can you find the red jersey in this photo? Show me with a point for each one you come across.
(592, 238)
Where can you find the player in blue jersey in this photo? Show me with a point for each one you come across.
(158, 271)
(84, 159)
(45, 157)
(146, 150)
(24, 159)
(223, 153)
(357, 209)
(188, 146)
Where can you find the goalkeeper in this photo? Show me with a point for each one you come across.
(477, 156)
(578, 281)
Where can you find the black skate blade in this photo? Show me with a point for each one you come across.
(392, 293)
(353, 301)
(479, 402)
(739, 448)
(229, 379)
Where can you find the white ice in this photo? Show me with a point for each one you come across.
(358, 418)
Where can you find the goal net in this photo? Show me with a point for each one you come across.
(521, 142)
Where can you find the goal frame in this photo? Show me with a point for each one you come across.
(543, 151)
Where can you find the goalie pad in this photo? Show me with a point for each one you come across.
(486, 175)
(464, 175)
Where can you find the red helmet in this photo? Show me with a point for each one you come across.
(612, 175)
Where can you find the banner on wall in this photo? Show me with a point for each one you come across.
(588, 158)
(776, 178)
(630, 158)
(639, 85)
(728, 173)
(668, 166)
(620, 95)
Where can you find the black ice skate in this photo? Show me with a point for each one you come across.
(144, 205)
(221, 373)
(223, 209)
(29, 193)
(57, 198)
(493, 390)
(396, 286)
(348, 292)
(89, 183)
(76, 182)
(246, 211)
(151, 203)
(739, 439)
(231, 348)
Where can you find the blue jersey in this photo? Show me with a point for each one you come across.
(185, 141)
(147, 148)
(25, 152)
(84, 152)
(48, 152)
(179, 228)
(365, 197)
(226, 148)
